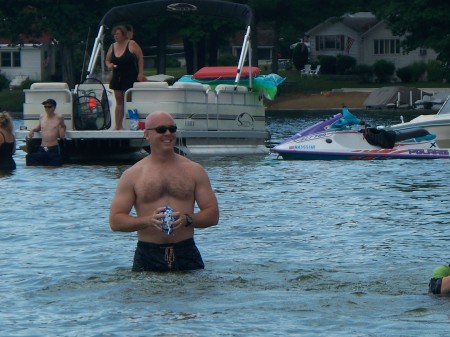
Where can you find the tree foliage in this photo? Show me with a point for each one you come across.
(292, 18)
(70, 23)
(300, 56)
(383, 70)
(424, 22)
(67, 22)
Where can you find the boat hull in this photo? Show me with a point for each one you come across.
(210, 122)
(227, 119)
(351, 145)
(437, 124)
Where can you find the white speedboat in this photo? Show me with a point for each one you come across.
(438, 124)
(433, 100)
(227, 119)
(343, 136)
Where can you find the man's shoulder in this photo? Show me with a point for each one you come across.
(191, 166)
(133, 172)
(182, 160)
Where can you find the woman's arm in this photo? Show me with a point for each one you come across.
(137, 51)
(108, 63)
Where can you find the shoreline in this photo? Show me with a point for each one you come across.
(318, 101)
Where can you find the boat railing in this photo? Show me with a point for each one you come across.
(195, 106)
(445, 108)
(232, 94)
(182, 102)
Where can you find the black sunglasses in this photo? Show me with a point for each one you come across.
(164, 128)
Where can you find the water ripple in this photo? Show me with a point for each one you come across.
(302, 248)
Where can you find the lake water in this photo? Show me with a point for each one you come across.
(318, 248)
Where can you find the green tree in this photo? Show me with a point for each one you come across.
(292, 18)
(67, 22)
(202, 38)
(423, 22)
(300, 56)
(383, 70)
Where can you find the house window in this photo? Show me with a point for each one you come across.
(10, 59)
(330, 42)
(386, 47)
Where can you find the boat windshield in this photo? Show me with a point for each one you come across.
(445, 108)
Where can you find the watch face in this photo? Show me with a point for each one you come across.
(188, 220)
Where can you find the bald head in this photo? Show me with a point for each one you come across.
(158, 118)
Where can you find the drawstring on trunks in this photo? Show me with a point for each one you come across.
(169, 256)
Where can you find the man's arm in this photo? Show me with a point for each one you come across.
(120, 219)
(206, 201)
(35, 129)
(62, 127)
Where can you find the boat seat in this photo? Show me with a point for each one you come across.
(192, 92)
(39, 92)
(147, 91)
(231, 94)
(231, 87)
(150, 85)
(49, 86)
(191, 85)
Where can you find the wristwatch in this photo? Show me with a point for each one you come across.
(189, 220)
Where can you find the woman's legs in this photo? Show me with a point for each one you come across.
(119, 111)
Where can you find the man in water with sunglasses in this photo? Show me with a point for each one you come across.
(52, 128)
(163, 189)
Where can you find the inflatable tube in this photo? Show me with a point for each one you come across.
(265, 84)
(213, 73)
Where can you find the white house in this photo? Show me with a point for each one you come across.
(364, 37)
(33, 60)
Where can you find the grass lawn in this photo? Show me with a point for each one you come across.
(12, 100)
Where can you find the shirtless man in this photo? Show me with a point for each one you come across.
(52, 127)
(164, 178)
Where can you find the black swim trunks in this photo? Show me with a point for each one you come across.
(45, 156)
(50, 149)
(435, 286)
(178, 256)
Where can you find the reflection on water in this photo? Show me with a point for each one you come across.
(317, 248)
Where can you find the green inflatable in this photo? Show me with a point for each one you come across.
(441, 271)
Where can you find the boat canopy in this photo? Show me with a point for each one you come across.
(143, 10)
(138, 12)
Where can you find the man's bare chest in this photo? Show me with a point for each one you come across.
(177, 186)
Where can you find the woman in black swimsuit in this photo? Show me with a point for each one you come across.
(126, 60)
(7, 143)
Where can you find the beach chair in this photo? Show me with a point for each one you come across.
(314, 72)
(306, 70)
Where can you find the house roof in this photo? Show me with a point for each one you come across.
(24, 39)
(359, 22)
